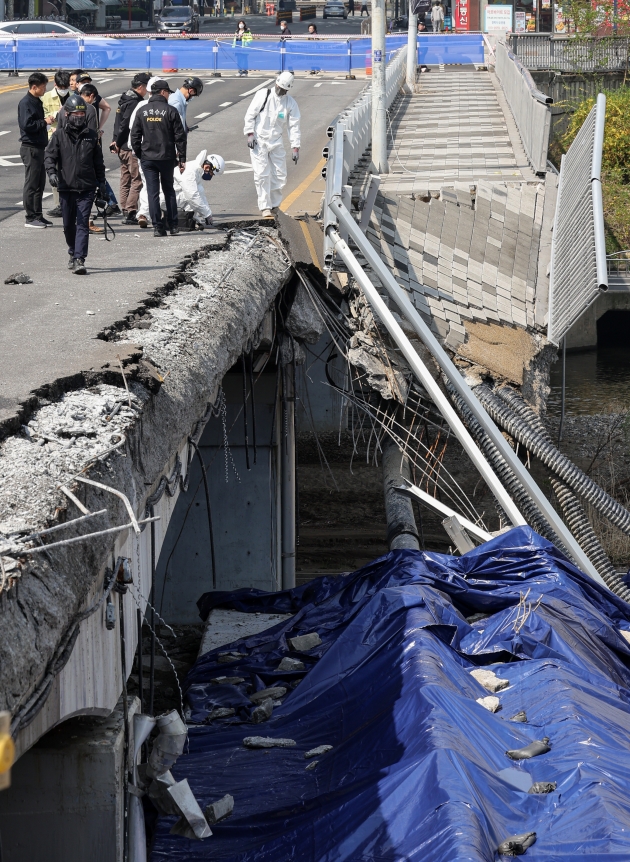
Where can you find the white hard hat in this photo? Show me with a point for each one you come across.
(152, 81)
(217, 163)
(285, 80)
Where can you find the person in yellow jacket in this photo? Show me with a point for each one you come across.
(53, 100)
(242, 39)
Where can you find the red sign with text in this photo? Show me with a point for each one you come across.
(462, 15)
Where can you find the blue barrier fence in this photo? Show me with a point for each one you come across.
(265, 55)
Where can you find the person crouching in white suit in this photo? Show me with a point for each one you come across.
(189, 189)
(270, 113)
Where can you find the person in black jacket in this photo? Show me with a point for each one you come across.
(130, 181)
(33, 139)
(158, 139)
(74, 164)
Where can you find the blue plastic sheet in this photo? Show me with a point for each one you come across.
(414, 774)
(454, 49)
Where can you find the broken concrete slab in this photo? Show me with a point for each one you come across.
(262, 712)
(267, 742)
(491, 703)
(274, 693)
(311, 765)
(227, 680)
(304, 643)
(219, 810)
(489, 680)
(223, 627)
(316, 752)
(290, 664)
(504, 350)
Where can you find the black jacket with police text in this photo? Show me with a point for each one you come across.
(32, 123)
(125, 109)
(157, 132)
(76, 158)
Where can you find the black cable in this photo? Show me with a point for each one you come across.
(140, 669)
(245, 411)
(251, 389)
(208, 509)
(152, 612)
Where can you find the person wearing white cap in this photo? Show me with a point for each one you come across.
(269, 114)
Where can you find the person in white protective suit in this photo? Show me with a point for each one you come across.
(270, 113)
(189, 189)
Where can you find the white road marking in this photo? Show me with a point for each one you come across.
(5, 133)
(215, 81)
(319, 85)
(238, 171)
(259, 87)
(45, 195)
(201, 116)
(103, 80)
(241, 164)
(114, 96)
(5, 163)
(224, 104)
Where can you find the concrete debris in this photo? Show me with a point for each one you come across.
(228, 657)
(367, 354)
(520, 717)
(315, 752)
(304, 643)
(303, 321)
(274, 693)
(291, 351)
(625, 635)
(19, 278)
(219, 810)
(267, 742)
(290, 664)
(489, 680)
(543, 787)
(491, 703)
(158, 794)
(311, 765)
(228, 680)
(262, 712)
(220, 712)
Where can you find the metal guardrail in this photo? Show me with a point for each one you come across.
(579, 269)
(618, 265)
(530, 108)
(571, 53)
(350, 137)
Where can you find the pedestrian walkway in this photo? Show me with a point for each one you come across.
(455, 129)
(459, 218)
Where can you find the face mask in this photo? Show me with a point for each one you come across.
(62, 92)
(207, 176)
(76, 120)
(241, 26)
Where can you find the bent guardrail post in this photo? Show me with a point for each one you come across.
(406, 307)
(578, 272)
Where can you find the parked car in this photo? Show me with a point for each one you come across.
(174, 19)
(30, 28)
(335, 9)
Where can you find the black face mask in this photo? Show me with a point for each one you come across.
(207, 175)
(76, 120)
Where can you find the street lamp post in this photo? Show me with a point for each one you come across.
(379, 109)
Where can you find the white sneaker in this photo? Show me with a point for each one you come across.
(267, 214)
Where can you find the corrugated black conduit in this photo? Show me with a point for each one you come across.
(520, 428)
(581, 528)
(504, 472)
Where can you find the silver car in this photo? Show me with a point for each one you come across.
(174, 19)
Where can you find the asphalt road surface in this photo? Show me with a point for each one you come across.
(219, 111)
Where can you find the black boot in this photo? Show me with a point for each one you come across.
(55, 212)
(130, 218)
(79, 266)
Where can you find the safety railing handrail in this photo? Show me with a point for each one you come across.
(530, 108)
(350, 136)
(579, 265)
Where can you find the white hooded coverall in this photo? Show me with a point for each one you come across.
(189, 188)
(268, 156)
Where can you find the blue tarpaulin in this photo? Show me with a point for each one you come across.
(414, 773)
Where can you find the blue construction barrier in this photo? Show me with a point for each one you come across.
(264, 55)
